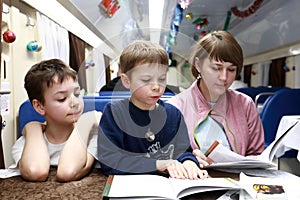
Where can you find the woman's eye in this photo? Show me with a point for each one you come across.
(215, 68)
(232, 70)
(146, 80)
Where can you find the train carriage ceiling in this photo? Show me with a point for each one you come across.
(259, 25)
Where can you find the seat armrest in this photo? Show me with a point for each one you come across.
(261, 95)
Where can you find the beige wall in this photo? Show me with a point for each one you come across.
(18, 61)
(289, 76)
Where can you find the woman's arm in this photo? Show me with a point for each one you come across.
(256, 130)
(35, 162)
(75, 161)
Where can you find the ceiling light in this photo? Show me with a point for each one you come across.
(295, 51)
(156, 8)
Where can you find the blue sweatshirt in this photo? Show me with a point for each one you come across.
(131, 140)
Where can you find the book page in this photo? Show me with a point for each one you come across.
(141, 187)
(185, 187)
(273, 148)
(223, 157)
(159, 187)
(270, 188)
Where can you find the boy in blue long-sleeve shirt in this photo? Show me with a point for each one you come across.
(143, 134)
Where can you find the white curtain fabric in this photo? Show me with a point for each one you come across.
(54, 39)
(99, 74)
(263, 73)
(297, 71)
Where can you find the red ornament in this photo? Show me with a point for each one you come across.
(252, 9)
(110, 6)
(9, 36)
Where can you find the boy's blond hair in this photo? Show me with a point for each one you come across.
(140, 52)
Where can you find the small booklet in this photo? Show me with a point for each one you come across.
(223, 158)
(262, 188)
(160, 187)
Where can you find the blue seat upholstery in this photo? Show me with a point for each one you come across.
(28, 114)
(283, 102)
(114, 93)
(254, 91)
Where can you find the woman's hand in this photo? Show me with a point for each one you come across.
(202, 159)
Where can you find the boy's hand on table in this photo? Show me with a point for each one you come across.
(194, 172)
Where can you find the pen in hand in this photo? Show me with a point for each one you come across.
(211, 148)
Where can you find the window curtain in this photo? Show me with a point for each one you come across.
(1, 7)
(297, 71)
(100, 73)
(107, 68)
(54, 39)
(277, 73)
(263, 73)
(247, 74)
(77, 59)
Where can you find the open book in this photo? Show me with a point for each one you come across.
(160, 187)
(224, 158)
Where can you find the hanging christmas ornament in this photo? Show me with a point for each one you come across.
(204, 22)
(189, 16)
(184, 3)
(200, 23)
(9, 36)
(203, 33)
(39, 48)
(33, 45)
(198, 20)
(110, 6)
(245, 13)
(286, 68)
(178, 15)
(226, 25)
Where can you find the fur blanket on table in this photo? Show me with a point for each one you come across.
(89, 187)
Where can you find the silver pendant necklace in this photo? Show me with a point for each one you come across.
(149, 135)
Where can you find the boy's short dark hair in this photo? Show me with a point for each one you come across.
(141, 52)
(41, 76)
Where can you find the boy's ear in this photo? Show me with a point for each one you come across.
(125, 80)
(38, 107)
